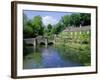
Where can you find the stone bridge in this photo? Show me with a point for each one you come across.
(39, 40)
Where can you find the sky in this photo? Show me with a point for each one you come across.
(48, 17)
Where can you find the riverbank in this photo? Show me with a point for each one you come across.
(76, 52)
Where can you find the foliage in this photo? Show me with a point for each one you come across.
(49, 28)
(35, 26)
(66, 20)
(85, 19)
(25, 19)
(75, 19)
(27, 29)
(74, 53)
(78, 52)
(58, 28)
(84, 37)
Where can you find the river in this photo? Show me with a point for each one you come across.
(49, 57)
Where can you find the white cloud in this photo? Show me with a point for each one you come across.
(49, 20)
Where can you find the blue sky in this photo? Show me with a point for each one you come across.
(48, 17)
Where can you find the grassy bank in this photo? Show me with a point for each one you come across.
(76, 52)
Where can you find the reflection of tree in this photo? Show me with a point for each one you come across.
(37, 58)
(35, 55)
(80, 55)
(25, 51)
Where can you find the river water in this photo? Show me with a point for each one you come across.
(48, 57)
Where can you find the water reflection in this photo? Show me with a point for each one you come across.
(48, 57)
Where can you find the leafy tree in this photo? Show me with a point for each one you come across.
(37, 26)
(37, 21)
(58, 28)
(75, 19)
(27, 29)
(85, 19)
(25, 19)
(66, 20)
(53, 30)
(49, 27)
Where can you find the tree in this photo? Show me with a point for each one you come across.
(25, 19)
(37, 26)
(49, 29)
(75, 19)
(27, 30)
(65, 20)
(85, 19)
(58, 28)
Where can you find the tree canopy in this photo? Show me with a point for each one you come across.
(35, 27)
